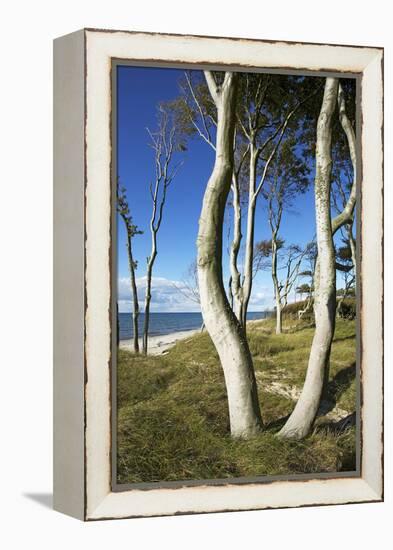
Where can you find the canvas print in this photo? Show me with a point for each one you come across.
(235, 251)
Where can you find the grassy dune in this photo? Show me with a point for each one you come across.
(173, 420)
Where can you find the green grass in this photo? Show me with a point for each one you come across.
(173, 420)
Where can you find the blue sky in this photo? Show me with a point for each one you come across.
(139, 92)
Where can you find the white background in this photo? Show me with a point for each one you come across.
(28, 28)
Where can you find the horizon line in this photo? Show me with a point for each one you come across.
(182, 312)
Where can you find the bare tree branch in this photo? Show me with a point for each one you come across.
(163, 144)
(206, 134)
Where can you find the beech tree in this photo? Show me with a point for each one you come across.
(265, 108)
(300, 421)
(131, 230)
(308, 288)
(282, 287)
(288, 178)
(265, 113)
(302, 418)
(284, 265)
(164, 144)
(262, 254)
(222, 325)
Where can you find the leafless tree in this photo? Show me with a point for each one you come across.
(291, 263)
(287, 179)
(188, 286)
(309, 272)
(164, 145)
(284, 263)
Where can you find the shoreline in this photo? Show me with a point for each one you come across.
(160, 344)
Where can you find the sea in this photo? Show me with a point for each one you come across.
(167, 323)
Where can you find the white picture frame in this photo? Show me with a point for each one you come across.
(82, 250)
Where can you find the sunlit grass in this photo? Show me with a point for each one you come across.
(173, 420)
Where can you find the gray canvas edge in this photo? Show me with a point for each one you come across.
(68, 253)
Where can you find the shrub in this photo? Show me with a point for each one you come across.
(291, 311)
(348, 309)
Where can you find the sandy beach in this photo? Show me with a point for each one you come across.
(161, 343)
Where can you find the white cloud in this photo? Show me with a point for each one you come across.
(261, 298)
(166, 295)
(173, 296)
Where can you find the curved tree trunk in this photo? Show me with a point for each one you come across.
(303, 416)
(235, 284)
(221, 323)
(346, 216)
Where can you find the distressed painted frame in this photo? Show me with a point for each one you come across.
(83, 211)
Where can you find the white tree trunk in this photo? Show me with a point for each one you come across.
(303, 416)
(352, 245)
(235, 286)
(249, 255)
(278, 317)
(163, 143)
(221, 323)
(149, 274)
(277, 294)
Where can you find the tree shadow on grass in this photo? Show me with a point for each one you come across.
(339, 426)
(337, 386)
(300, 328)
(336, 427)
(344, 338)
(340, 382)
(276, 425)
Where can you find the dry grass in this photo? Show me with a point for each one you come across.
(173, 420)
